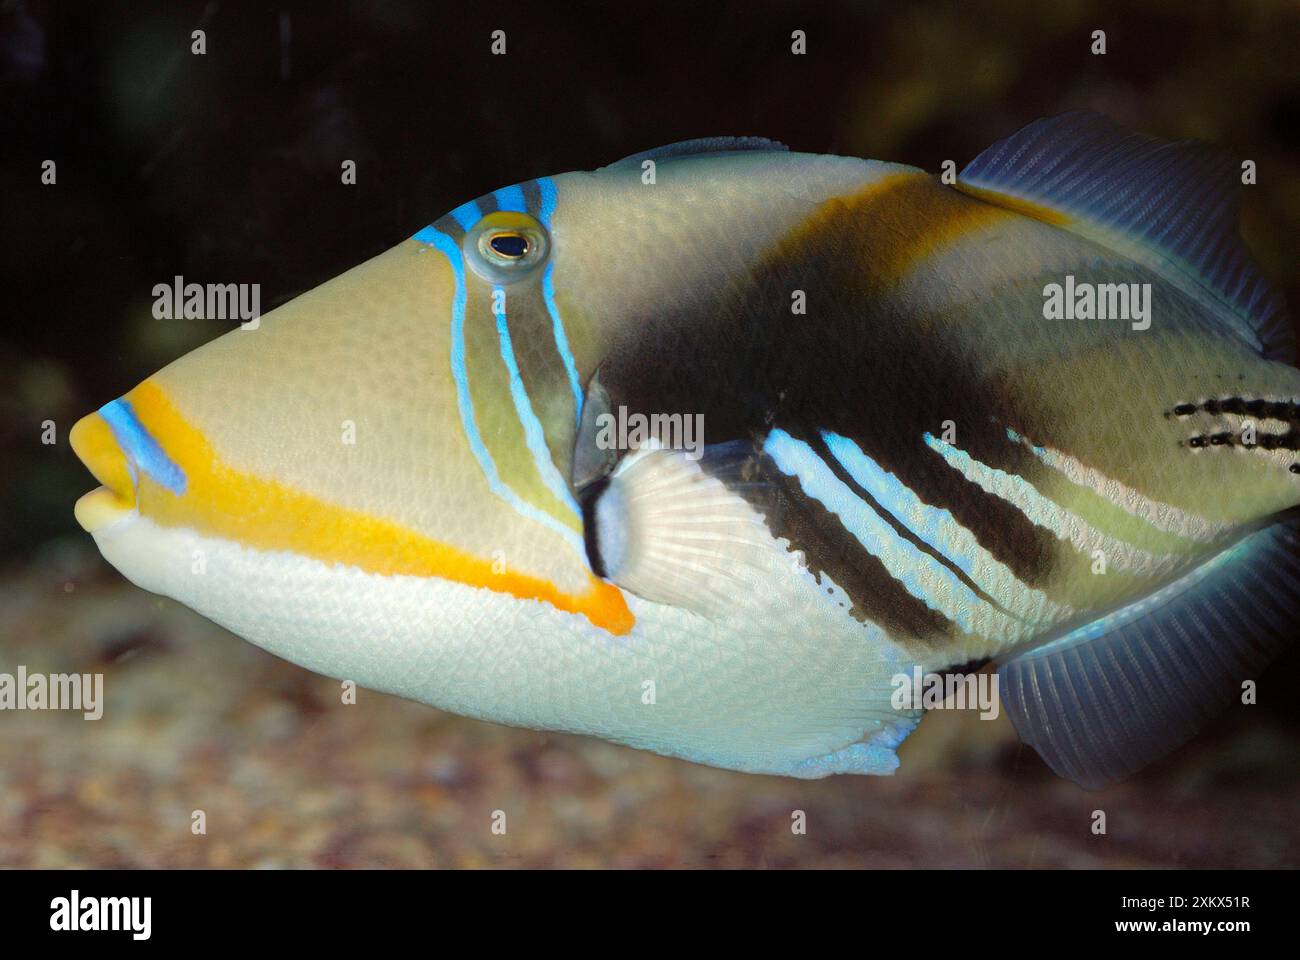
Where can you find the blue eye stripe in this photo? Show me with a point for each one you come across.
(467, 214)
(141, 449)
(465, 402)
(546, 190)
(534, 435)
(562, 340)
(512, 199)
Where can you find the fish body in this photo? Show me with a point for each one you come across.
(1042, 416)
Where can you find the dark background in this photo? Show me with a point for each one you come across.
(225, 167)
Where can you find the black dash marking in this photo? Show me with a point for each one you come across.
(1257, 408)
(1276, 409)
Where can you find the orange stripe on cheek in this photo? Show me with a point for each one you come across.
(269, 515)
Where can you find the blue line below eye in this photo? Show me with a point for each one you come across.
(562, 341)
(534, 434)
(465, 402)
(546, 189)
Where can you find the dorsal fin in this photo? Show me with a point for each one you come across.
(687, 148)
(1172, 205)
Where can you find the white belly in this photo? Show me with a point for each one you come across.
(787, 683)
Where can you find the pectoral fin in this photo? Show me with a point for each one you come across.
(667, 528)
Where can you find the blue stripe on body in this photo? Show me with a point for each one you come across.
(938, 528)
(533, 432)
(1046, 513)
(902, 559)
(1040, 452)
(445, 245)
(1011, 487)
(1164, 517)
(141, 449)
(935, 525)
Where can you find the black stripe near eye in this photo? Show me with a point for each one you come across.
(533, 198)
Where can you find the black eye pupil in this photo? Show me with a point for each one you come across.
(510, 245)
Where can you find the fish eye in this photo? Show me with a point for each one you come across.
(505, 246)
(509, 244)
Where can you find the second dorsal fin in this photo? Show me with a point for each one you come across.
(1172, 203)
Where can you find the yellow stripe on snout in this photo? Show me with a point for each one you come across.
(268, 515)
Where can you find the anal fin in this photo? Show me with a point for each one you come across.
(1105, 700)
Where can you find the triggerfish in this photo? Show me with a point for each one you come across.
(709, 450)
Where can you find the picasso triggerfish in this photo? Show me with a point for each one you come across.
(703, 450)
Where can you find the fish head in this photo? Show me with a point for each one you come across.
(407, 422)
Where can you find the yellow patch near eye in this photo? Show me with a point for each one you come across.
(267, 515)
(508, 221)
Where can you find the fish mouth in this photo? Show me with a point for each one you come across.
(94, 443)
